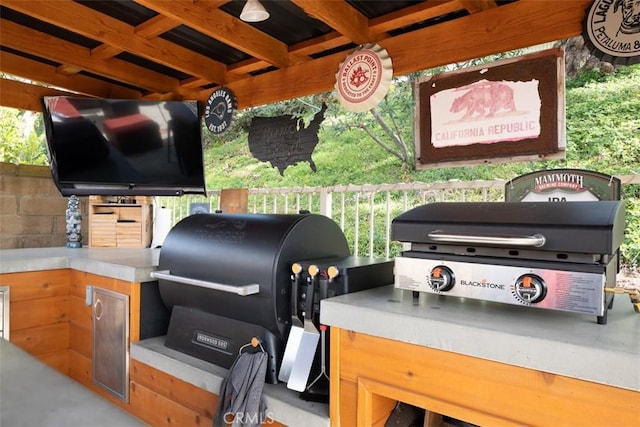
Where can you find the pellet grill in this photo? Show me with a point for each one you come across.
(227, 278)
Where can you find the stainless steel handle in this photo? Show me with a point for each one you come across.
(97, 307)
(242, 290)
(536, 240)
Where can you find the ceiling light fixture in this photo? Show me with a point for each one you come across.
(253, 11)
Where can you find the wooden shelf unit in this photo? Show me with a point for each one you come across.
(121, 225)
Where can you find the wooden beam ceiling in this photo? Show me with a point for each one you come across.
(273, 70)
(517, 25)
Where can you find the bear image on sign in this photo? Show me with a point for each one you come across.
(282, 142)
(484, 100)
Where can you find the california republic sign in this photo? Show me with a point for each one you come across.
(363, 78)
(613, 28)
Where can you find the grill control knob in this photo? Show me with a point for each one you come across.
(441, 279)
(530, 288)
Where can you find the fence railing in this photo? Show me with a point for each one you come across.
(363, 212)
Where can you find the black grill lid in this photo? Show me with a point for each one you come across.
(581, 227)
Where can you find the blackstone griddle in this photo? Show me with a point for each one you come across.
(558, 256)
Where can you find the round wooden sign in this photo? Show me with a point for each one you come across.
(220, 110)
(363, 78)
(612, 31)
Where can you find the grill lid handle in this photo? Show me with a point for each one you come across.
(536, 240)
(242, 290)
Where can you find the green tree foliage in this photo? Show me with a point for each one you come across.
(602, 126)
(22, 137)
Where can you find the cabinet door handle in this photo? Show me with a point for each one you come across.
(97, 309)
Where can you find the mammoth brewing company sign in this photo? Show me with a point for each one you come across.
(562, 185)
(612, 27)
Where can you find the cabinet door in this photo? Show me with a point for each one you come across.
(110, 367)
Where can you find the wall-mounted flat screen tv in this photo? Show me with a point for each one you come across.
(116, 147)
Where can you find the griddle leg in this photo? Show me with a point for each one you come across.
(602, 320)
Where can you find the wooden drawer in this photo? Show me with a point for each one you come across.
(119, 225)
(104, 218)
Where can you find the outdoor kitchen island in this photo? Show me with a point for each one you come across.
(482, 362)
(51, 318)
(477, 361)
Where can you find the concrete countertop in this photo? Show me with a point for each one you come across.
(557, 342)
(128, 264)
(34, 394)
(283, 404)
(135, 265)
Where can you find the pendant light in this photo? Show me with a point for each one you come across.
(253, 11)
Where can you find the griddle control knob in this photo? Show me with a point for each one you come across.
(530, 289)
(441, 279)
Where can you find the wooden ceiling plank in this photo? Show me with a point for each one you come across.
(68, 70)
(49, 75)
(475, 6)
(36, 43)
(193, 83)
(155, 26)
(211, 21)
(24, 96)
(413, 14)
(513, 26)
(319, 44)
(248, 66)
(80, 19)
(104, 51)
(340, 16)
(151, 28)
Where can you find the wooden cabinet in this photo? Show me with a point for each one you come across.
(163, 400)
(39, 314)
(123, 225)
(370, 374)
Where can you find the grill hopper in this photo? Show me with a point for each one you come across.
(236, 250)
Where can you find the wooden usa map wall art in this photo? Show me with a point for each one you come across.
(282, 141)
(511, 110)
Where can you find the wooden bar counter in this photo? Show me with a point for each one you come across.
(480, 362)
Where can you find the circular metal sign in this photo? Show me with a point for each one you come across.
(363, 78)
(219, 110)
(613, 29)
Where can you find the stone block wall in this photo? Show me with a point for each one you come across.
(32, 211)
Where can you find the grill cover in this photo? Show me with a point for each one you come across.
(581, 227)
(240, 249)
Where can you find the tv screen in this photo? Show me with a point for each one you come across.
(118, 147)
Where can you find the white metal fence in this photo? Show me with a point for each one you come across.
(364, 212)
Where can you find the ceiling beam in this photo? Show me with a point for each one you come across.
(474, 6)
(211, 21)
(340, 16)
(514, 26)
(33, 42)
(152, 28)
(47, 74)
(413, 14)
(75, 17)
(24, 96)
